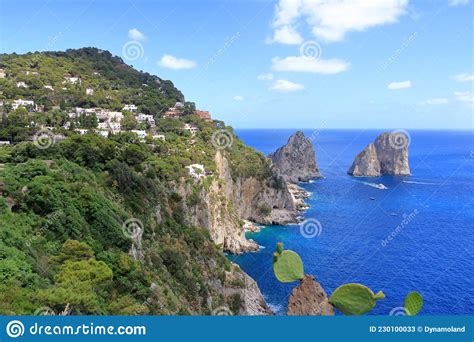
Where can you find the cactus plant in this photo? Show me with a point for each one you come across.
(354, 299)
(287, 265)
(413, 303)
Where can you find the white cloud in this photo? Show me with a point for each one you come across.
(399, 85)
(171, 62)
(331, 20)
(458, 2)
(286, 86)
(265, 77)
(285, 35)
(464, 77)
(436, 101)
(135, 34)
(465, 96)
(238, 98)
(309, 64)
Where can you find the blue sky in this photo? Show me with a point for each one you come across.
(279, 64)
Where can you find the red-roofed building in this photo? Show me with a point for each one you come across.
(203, 114)
(173, 112)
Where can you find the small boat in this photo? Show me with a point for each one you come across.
(381, 186)
(393, 214)
(372, 198)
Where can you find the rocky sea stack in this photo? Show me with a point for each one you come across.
(387, 155)
(296, 161)
(309, 299)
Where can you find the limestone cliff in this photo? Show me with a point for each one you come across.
(237, 282)
(265, 201)
(296, 161)
(387, 155)
(226, 201)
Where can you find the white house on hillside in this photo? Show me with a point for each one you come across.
(21, 84)
(115, 116)
(103, 125)
(142, 118)
(190, 128)
(130, 107)
(196, 171)
(89, 91)
(22, 103)
(115, 127)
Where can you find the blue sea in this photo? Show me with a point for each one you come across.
(429, 216)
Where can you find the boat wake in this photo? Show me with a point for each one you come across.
(423, 183)
(375, 185)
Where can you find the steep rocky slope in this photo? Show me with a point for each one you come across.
(227, 200)
(117, 225)
(387, 155)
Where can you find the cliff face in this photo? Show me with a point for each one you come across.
(296, 161)
(387, 155)
(237, 282)
(266, 201)
(226, 201)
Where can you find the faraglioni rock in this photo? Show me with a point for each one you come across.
(387, 155)
(296, 161)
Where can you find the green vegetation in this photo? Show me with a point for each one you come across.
(354, 299)
(114, 82)
(62, 208)
(413, 303)
(350, 299)
(287, 265)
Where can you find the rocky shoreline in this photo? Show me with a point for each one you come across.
(299, 196)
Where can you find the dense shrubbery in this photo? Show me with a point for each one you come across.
(65, 222)
(62, 208)
(114, 82)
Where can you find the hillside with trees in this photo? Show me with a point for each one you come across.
(64, 207)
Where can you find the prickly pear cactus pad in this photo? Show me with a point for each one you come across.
(413, 303)
(354, 299)
(287, 265)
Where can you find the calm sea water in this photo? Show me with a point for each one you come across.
(431, 253)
